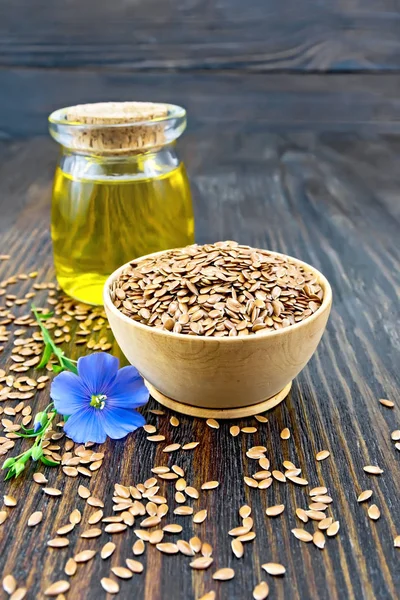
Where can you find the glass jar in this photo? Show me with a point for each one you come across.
(120, 190)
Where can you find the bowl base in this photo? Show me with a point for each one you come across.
(222, 413)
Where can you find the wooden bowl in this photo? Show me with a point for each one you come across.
(231, 376)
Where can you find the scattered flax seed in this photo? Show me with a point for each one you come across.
(203, 562)
(70, 567)
(324, 499)
(322, 455)
(315, 515)
(183, 511)
(190, 446)
(168, 548)
(156, 536)
(178, 470)
(274, 511)
(84, 556)
(171, 448)
(395, 435)
(251, 482)
(149, 428)
(238, 531)
(109, 585)
(373, 512)
(185, 548)
(224, 574)
(373, 470)
(365, 495)
(237, 548)
(115, 528)
(247, 537)
(302, 535)
(75, 517)
(274, 568)
(59, 587)
(52, 491)
(260, 475)
(195, 543)
(261, 419)
(94, 532)
(3, 516)
(264, 463)
(397, 541)
(156, 438)
(333, 529)
(35, 518)
(122, 572)
(138, 547)
(285, 434)
(173, 528)
(160, 470)
(261, 591)
(319, 539)
(302, 515)
(9, 584)
(134, 565)
(245, 511)
(298, 480)
(200, 516)
(58, 542)
(249, 429)
(95, 517)
(318, 491)
(279, 476)
(317, 506)
(325, 523)
(234, 430)
(174, 421)
(210, 485)
(180, 485)
(192, 492)
(39, 478)
(387, 403)
(212, 423)
(10, 501)
(206, 549)
(180, 498)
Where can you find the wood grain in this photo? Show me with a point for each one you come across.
(197, 34)
(216, 102)
(331, 199)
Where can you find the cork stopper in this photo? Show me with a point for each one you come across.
(117, 127)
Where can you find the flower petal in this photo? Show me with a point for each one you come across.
(98, 371)
(118, 422)
(127, 390)
(86, 425)
(68, 393)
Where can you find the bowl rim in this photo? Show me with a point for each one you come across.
(326, 304)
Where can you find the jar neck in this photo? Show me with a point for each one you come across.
(153, 163)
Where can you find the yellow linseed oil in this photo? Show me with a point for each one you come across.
(101, 222)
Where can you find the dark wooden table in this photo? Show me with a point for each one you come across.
(293, 145)
(330, 199)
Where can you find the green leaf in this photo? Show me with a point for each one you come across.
(57, 368)
(69, 365)
(8, 463)
(45, 316)
(45, 357)
(37, 452)
(48, 462)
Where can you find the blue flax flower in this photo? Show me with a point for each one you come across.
(100, 400)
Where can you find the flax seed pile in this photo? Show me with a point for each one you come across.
(155, 511)
(218, 290)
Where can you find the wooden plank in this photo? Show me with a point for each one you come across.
(331, 200)
(216, 101)
(142, 35)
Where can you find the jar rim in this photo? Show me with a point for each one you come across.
(58, 117)
(124, 135)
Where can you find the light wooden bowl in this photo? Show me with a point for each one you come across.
(224, 377)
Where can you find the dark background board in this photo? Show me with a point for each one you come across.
(293, 144)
